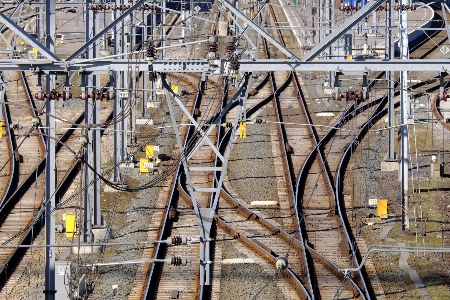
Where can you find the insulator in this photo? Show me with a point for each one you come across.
(110, 95)
(281, 263)
(66, 95)
(176, 240)
(260, 121)
(84, 140)
(84, 96)
(16, 126)
(230, 44)
(39, 96)
(177, 261)
(444, 96)
(447, 120)
(229, 124)
(36, 121)
(197, 112)
(212, 47)
(151, 52)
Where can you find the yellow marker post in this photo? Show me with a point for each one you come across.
(142, 167)
(382, 207)
(175, 88)
(242, 130)
(1, 129)
(35, 52)
(71, 225)
(251, 15)
(149, 151)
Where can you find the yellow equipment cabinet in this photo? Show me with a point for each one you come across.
(71, 225)
(382, 208)
(142, 165)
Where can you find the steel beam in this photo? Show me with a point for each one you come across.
(342, 29)
(259, 30)
(105, 30)
(29, 39)
(246, 65)
(184, 161)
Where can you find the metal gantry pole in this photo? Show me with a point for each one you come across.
(50, 167)
(124, 85)
(163, 30)
(97, 133)
(404, 107)
(116, 107)
(390, 155)
(87, 84)
(144, 77)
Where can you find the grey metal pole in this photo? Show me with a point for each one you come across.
(153, 40)
(124, 85)
(87, 84)
(116, 114)
(144, 77)
(96, 134)
(163, 30)
(2, 98)
(390, 155)
(133, 84)
(50, 166)
(116, 104)
(404, 107)
(87, 172)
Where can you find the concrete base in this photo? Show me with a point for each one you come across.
(87, 249)
(127, 165)
(109, 189)
(144, 122)
(437, 170)
(327, 89)
(101, 233)
(154, 104)
(388, 166)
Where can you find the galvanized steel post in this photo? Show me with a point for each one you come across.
(50, 167)
(404, 107)
(390, 155)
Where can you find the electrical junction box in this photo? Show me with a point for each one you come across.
(62, 279)
(382, 206)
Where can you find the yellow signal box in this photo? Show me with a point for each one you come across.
(71, 225)
(242, 130)
(175, 88)
(149, 151)
(382, 207)
(142, 165)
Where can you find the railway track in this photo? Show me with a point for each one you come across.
(163, 280)
(67, 166)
